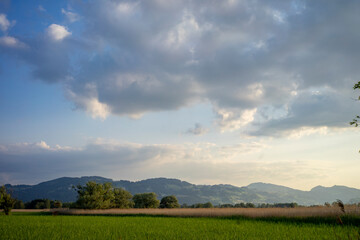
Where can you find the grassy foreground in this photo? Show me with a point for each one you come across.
(44, 226)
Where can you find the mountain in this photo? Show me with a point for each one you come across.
(63, 189)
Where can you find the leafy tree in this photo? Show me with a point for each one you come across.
(208, 205)
(6, 201)
(95, 196)
(56, 204)
(19, 204)
(146, 200)
(202, 205)
(355, 120)
(169, 202)
(47, 204)
(38, 204)
(249, 205)
(226, 205)
(240, 205)
(122, 198)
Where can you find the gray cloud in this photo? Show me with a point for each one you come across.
(33, 162)
(316, 108)
(204, 163)
(134, 57)
(198, 129)
(38, 161)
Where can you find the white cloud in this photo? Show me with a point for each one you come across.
(4, 23)
(306, 131)
(96, 108)
(57, 32)
(41, 8)
(71, 16)
(183, 33)
(126, 7)
(11, 42)
(90, 102)
(233, 119)
(32, 148)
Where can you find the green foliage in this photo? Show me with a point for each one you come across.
(95, 196)
(38, 204)
(56, 204)
(19, 204)
(146, 200)
(122, 199)
(357, 85)
(169, 202)
(202, 205)
(355, 122)
(6, 201)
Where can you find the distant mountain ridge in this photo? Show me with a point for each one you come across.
(62, 189)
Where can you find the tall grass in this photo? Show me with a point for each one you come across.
(222, 212)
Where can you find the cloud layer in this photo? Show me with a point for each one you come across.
(201, 163)
(265, 66)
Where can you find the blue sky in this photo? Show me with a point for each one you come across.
(206, 91)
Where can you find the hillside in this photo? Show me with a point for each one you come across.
(62, 189)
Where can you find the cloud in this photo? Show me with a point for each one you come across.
(31, 148)
(252, 60)
(57, 32)
(11, 42)
(71, 16)
(310, 111)
(4, 23)
(41, 8)
(23, 161)
(197, 130)
(202, 163)
(234, 119)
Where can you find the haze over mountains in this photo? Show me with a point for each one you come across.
(62, 189)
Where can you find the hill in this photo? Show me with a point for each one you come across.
(63, 189)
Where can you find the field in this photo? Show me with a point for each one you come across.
(43, 225)
(225, 212)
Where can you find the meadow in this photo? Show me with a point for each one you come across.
(43, 225)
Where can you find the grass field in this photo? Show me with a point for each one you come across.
(45, 226)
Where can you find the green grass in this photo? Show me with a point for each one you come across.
(44, 226)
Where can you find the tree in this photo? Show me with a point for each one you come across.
(19, 204)
(169, 202)
(6, 201)
(208, 205)
(146, 200)
(38, 204)
(122, 198)
(95, 196)
(355, 120)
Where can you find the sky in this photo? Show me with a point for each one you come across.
(209, 92)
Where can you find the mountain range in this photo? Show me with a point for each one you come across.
(62, 189)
